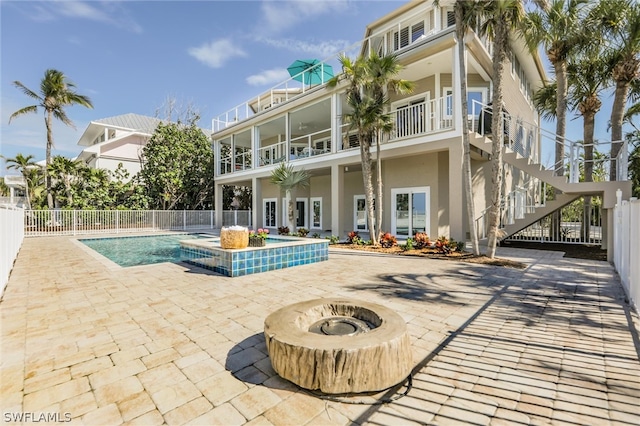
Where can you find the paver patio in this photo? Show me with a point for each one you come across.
(555, 343)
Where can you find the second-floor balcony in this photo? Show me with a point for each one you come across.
(310, 138)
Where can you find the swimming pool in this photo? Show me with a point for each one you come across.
(141, 250)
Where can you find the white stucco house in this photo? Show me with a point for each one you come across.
(305, 125)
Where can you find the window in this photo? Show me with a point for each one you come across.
(448, 102)
(451, 18)
(270, 214)
(316, 213)
(408, 35)
(360, 222)
(410, 211)
(301, 213)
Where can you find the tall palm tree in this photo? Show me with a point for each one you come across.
(288, 179)
(56, 93)
(23, 165)
(620, 20)
(558, 28)
(382, 71)
(501, 18)
(466, 15)
(369, 78)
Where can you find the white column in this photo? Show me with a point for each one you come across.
(256, 203)
(287, 135)
(217, 204)
(337, 202)
(336, 115)
(458, 114)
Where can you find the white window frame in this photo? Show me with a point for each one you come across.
(444, 113)
(485, 96)
(355, 213)
(314, 200)
(264, 212)
(397, 42)
(305, 223)
(411, 190)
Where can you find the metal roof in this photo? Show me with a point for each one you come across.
(136, 122)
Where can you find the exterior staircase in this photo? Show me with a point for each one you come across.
(569, 191)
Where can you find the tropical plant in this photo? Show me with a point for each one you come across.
(466, 16)
(354, 237)
(501, 18)
(288, 179)
(387, 240)
(4, 189)
(303, 232)
(24, 165)
(557, 26)
(283, 230)
(620, 22)
(64, 172)
(368, 80)
(56, 93)
(421, 240)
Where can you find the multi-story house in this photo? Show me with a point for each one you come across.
(304, 124)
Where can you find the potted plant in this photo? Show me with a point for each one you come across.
(258, 238)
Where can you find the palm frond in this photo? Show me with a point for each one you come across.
(26, 110)
(24, 89)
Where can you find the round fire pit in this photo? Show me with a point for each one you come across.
(339, 346)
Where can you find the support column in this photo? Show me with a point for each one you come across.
(337, 200)
(217, 205)
(256, 203)
(458, 114)
(456, 194)
(336, 130)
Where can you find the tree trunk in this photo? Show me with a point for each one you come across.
(560, 68)
(589, 126)
(47, 176)
(290, 215)
(497, 127)
(466, 147)
(617, 115)
(365, 156)
(378, 210)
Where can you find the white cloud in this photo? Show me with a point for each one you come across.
(322, 49)
(273, 76)
(216, 53)
(281, 15)
(111, 13)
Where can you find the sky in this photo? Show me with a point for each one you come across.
(131, 56)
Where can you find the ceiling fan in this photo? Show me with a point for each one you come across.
(302, 126)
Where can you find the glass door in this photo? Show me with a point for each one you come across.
(360, 213)
(410, 211)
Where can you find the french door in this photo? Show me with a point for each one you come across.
(410, 211)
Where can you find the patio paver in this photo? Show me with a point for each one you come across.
(174, 344)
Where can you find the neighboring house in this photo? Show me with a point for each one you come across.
(114, 140)
(421, 160)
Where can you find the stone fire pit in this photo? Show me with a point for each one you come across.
(339, 346)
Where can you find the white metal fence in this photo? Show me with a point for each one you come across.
(12, 233)
(626, 247)
(76, 222)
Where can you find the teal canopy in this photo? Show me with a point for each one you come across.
(310, 71)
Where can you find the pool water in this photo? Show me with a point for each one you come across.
(144, 250)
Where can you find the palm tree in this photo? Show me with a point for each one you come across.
(288, 179)
(501, 17)
(65, 171)
(620, 20)
(466, 14)
(382, 71)
(23, 165)
(368, 81)
(558, 28)
(56, 93)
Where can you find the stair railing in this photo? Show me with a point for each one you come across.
(522, 137)
(523, 199)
